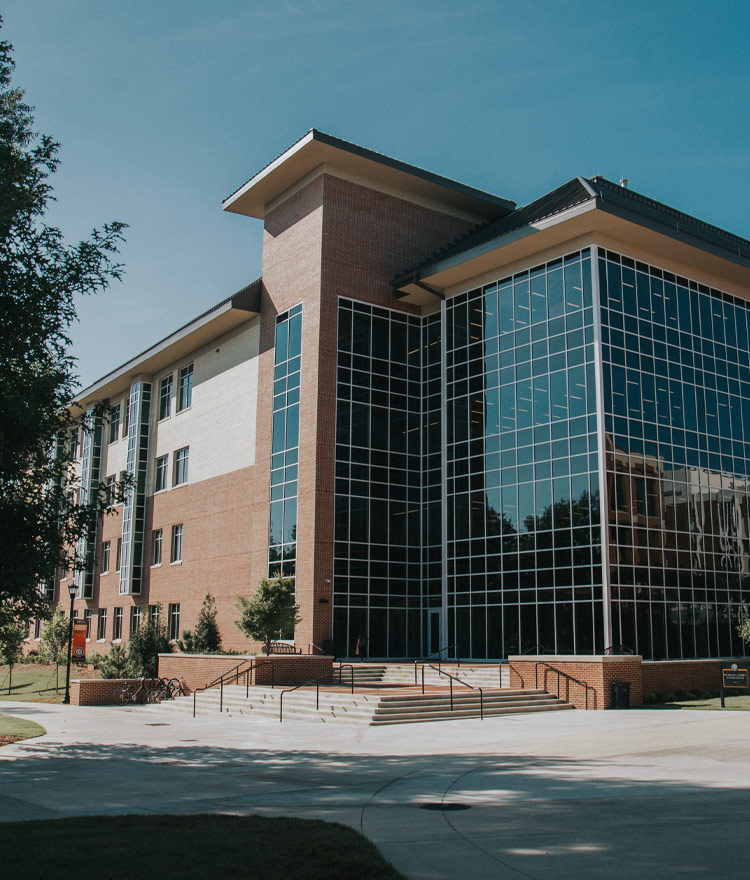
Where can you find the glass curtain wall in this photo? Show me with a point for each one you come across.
(282, 530)
(523, 519)
(676, 373)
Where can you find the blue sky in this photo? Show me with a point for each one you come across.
(165, 108)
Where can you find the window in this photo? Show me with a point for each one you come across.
(160, 473)
(165, 397)
(135, 619)
(153, 613)
(105, 557)
(87, 621)
(114, 423)
(37, 629)
(174, 621)
(123, 477)
(118, 558)
(117, 625)
(74, 443)
(181, 466)
(176, 543)
(101, 628)
(110, 491)
(125, 416)
(185, 394)
(156, 537)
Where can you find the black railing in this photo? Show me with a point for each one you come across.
(315, 681)
(283, 648)
(587, 687)
(439, 655)
(618, 649)
(243, 668)
(464, 683)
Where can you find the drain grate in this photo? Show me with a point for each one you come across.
(444, 806)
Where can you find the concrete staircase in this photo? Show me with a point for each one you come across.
(485, 675)
(377, 707)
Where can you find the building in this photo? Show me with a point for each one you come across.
(454, 421)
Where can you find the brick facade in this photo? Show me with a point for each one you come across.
(197, 670)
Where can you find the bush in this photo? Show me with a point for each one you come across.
(649, 699)
(682, 694)
(145, 645)
(206, 638)
(669, 698)
(116, 664)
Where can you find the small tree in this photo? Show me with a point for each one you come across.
(206, 638)
(11, 640)
(744, 630)
(55, 641)
(271, 611)
(146, 643)
(116, 664)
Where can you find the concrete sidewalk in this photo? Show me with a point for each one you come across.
(636, 794)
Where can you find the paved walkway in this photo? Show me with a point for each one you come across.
(636, 794)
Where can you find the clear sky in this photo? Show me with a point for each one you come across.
(165, 107)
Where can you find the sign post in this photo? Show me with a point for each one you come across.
(79, 640)
(732, 677)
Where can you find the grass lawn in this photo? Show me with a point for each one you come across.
(733, 704)
(190, 847)
(12, 729)
(35, 682)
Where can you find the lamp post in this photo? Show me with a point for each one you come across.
(72, 589)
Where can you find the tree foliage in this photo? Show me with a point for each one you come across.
(269, 612)
(205, 638)
(11, 641)
(145, 644)
(743, 630)
(40, 276)
(55, 638)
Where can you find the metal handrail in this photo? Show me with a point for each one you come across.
(587, 687)
(437, 654)
(618, 649)
(316, 682)
(460, 681)
(235, 672)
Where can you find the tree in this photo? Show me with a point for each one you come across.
(41, 519)
(55, 641)
(11, 640)
(145, 645)
(205, 639)
(743, 630)
(271, 611)
(116, 664)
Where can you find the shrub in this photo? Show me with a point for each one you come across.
(145, 645)
(682, 694)
(205, 639)
(649, 699)
(669, 698)
(116, 664)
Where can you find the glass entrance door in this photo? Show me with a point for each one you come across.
(434, 616)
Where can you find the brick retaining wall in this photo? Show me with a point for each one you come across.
(197, 670)
(598, 672)
(671, 675)
(96, 691)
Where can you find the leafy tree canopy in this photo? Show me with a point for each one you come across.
(269, 612)
(40, 276)
(205, 638)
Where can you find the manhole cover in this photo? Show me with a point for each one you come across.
(444, 807)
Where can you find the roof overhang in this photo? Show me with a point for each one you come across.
(221, 319)
(595, 221)
(318, 152)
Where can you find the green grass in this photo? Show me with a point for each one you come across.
(35, 682)
(18, 728)
(733, 704)
(191, 847)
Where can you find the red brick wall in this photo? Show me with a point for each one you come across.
(96, 691)
(197, 670)
(597, 672)
(669, 675)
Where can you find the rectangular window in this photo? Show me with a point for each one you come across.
(105, 557)
(181, 466)
(123, 477)
(165, 397)
(117, 625)
(153, 613)
(37, 629)
(118, 557)
(156, 538)
(185, 392)
(174, 621)
(110, 491)
(125, 416)
(87, 621)
(114, 423)
(74, 443)
(101, 627)
(135, 619)
(176, 543)
(160, 473)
